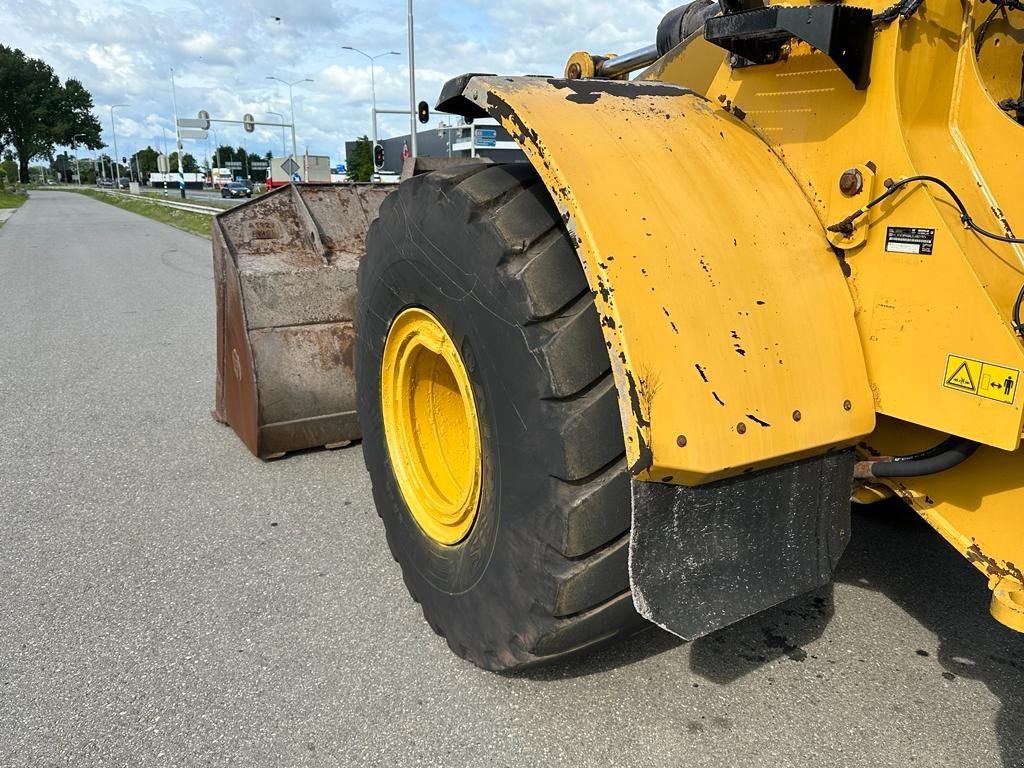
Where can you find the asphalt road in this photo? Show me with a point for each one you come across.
(168, 600)
(203, 195)
(197, 196)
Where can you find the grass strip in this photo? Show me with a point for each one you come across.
(196, 223)
(173, 197)
(12, 199)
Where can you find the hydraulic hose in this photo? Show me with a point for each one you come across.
(949, 453)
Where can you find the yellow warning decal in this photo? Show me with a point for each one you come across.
(993, 382)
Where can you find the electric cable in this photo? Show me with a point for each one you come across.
(904, 8)
(845, 227)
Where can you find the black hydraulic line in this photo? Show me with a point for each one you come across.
(948, 454)
(983, 29)
(1017, 326)
(904, 8)
(928, 453)
(846, 225)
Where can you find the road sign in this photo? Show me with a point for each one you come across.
(289, 166)
(339, 168)
(296, 178)
(161, 163)
(259, 166)
(186, 133)
(486, 137)
(193, 122)
(232, 164)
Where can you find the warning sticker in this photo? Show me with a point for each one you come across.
(917, 240)
(993, 382)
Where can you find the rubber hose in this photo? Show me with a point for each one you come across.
(946, 455)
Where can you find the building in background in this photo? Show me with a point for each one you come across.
(192, 180)
(454, 138)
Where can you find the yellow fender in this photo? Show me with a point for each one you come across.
(727, 317)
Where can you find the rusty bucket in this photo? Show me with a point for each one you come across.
(285, 276)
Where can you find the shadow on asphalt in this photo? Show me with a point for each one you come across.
(900, 556)
(894, 552)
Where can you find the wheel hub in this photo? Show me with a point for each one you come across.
(430, 425)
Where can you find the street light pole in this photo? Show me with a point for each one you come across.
(216, 153)
(167, 159)
(284, 148)
(113, 128)
(78, 165)
(373, 88)
(291, 100)
(412, 84)
(177, 137)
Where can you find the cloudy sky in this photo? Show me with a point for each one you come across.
(222, 51)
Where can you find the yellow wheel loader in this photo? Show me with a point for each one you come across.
(750, 273)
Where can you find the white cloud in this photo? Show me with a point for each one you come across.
(222, 51)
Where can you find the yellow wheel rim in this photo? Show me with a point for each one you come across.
(430, 425)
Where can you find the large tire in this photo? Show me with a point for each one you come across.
(543, 571)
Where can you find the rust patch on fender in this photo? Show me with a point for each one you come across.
(992, 567)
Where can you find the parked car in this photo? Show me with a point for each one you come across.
(122, 182)
(235, 189)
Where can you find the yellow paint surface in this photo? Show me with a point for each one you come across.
(728, 322)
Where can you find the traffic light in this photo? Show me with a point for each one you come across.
(248, 122)
(378, 156)
(205, 117)
(124, 160)
(424, 112)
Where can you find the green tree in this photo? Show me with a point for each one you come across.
(38, 112)
(222, 154)
(359, 163)
(188, 163)
(256, 174)
(145, 161)
(9, 168)
(105, 166)
(87, 170)
(62, 167)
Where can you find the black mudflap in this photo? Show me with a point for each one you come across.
(704, 557)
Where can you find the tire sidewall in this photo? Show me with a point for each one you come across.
(481, 592)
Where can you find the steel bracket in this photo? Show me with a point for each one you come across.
(844, 33)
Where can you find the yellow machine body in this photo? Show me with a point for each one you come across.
(743, 334)
(926, 111)
(676, 205)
